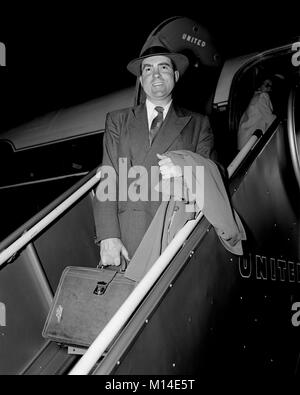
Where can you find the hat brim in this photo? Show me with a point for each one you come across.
(181, 62)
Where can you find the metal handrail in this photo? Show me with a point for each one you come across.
(41, 214)
(292, 136)
(43, 180)
(112, 328)
(108, 333)
(31, 233)
(244, 152)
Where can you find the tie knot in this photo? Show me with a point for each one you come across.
(159, 109)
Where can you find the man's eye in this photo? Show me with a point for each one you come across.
(165, 67)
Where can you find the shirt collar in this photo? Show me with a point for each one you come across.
(150, 107)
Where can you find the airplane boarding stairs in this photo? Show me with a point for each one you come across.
(209, 310)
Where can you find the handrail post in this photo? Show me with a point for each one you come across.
(40, 274)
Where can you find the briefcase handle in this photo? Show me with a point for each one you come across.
(121, 268)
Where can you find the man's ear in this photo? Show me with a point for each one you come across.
(176, 75)
(141, 81)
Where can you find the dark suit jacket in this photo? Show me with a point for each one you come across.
(127, 136)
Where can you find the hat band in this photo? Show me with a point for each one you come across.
(155, 50)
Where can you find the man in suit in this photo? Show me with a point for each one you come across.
(139, 137)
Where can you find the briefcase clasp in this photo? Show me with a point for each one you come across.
(100, 288)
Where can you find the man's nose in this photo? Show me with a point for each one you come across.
(156, 71)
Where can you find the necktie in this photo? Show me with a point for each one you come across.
(156, 123)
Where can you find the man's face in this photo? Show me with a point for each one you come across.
(158, 77)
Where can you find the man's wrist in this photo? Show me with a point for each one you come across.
(98, 240)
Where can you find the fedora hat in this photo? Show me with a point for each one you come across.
(155, 47)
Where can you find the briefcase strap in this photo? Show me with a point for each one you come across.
(102, 286)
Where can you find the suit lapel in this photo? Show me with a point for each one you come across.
(139, 134)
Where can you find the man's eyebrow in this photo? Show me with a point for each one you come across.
(159, 64)
(165, 64)
(146, 65)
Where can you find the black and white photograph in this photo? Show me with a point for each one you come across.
(150, 192)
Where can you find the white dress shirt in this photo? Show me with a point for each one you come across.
(152, 113)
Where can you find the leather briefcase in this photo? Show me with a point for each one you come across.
(85, 300)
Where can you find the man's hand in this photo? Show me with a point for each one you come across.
(167, 167)
(111, 250)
